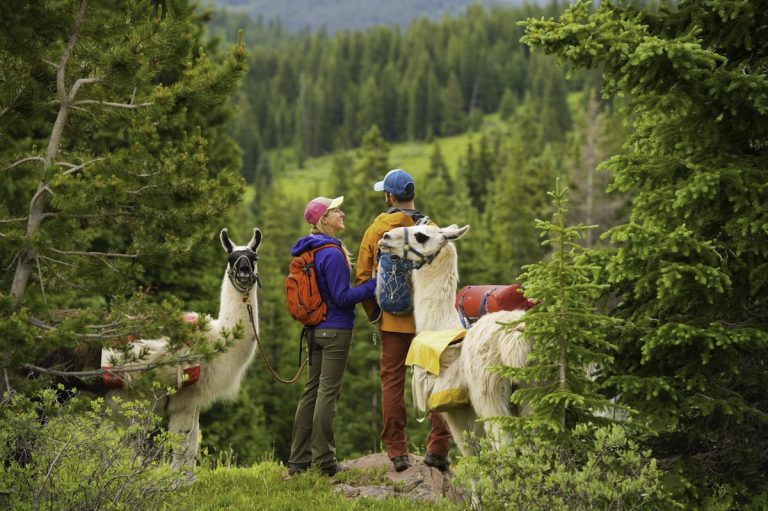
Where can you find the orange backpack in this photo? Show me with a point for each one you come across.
(302, 294)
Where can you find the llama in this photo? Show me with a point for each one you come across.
(220, 378)
(486, 345)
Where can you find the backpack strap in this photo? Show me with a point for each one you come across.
(314, 250)
(483, 309)
(418, 217)
(463, 315)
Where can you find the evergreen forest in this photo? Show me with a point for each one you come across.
(610, 158)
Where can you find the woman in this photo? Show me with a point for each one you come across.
(313, 442)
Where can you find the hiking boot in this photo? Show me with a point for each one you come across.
(297, 468)
(401, 462)
(332, 469)
(437, 461)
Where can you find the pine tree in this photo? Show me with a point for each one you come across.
(508, 104)
(370, 112)
(113, 174)
(690, 265)
(550, 99)
(481, 164)
(372, 165)
(436, 191)
(454, 117)
(515, 201)
(595, 138)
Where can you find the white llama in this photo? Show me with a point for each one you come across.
(220, 378)
(487, 344)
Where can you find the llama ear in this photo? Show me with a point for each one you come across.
(454, 233)
(256, 240)
(225, 242)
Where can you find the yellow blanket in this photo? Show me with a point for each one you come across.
(428, 345)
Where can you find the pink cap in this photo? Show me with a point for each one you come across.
(317, 207)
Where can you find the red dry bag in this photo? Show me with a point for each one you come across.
(474, 301)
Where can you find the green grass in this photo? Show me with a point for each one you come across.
(266, 486)
(305, 183)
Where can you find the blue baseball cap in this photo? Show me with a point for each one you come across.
(395, 182)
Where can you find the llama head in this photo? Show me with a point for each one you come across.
(242, 270)
(419, 243)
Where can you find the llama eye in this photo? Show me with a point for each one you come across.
(421, 237)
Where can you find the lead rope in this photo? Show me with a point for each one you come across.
(264, 355)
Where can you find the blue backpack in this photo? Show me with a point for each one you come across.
(394, 290)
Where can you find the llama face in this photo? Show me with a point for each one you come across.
(419, 242)
(241, 261)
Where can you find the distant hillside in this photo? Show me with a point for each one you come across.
(350, 14)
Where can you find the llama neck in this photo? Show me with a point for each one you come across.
(233, 309)
(434, 287)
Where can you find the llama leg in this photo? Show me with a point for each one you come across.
(491, 399)
(185, 424)
(461, 422)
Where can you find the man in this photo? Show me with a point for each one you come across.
(397, 332)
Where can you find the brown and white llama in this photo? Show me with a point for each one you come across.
(487, 344)
(220, 378)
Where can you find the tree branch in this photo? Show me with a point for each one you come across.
(78, 83)
(88, 216)
(94, 254)
(139, 190)
(31, 158)
(107, 331)
(129, 106)
(115, 371)
(44, 258)
(40, 192)
(42, 282)
(75, 168)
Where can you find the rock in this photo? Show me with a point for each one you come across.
(418, 482)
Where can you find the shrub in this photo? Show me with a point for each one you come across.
(71, 455)
(605, 471)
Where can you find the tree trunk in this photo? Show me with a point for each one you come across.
(28, 257)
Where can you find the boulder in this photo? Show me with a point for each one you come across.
(418, 482)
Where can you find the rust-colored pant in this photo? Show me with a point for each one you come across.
(394, 348)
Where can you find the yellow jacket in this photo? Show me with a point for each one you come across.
(366, 264)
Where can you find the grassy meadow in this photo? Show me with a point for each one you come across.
(304, 183)
(266, 486)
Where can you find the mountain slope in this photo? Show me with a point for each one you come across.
(349, 14)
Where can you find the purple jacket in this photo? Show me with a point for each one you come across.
(333, 278)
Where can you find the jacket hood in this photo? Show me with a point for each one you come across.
(312, 241)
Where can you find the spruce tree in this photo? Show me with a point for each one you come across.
(508, 104)
(436, 191)
(597, 135)
(570, 338)
(454, 117)
(514, 202)
(372, 165)
(690, 265)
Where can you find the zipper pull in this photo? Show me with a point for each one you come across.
(373, 337)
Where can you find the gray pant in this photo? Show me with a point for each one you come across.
(313, 440)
